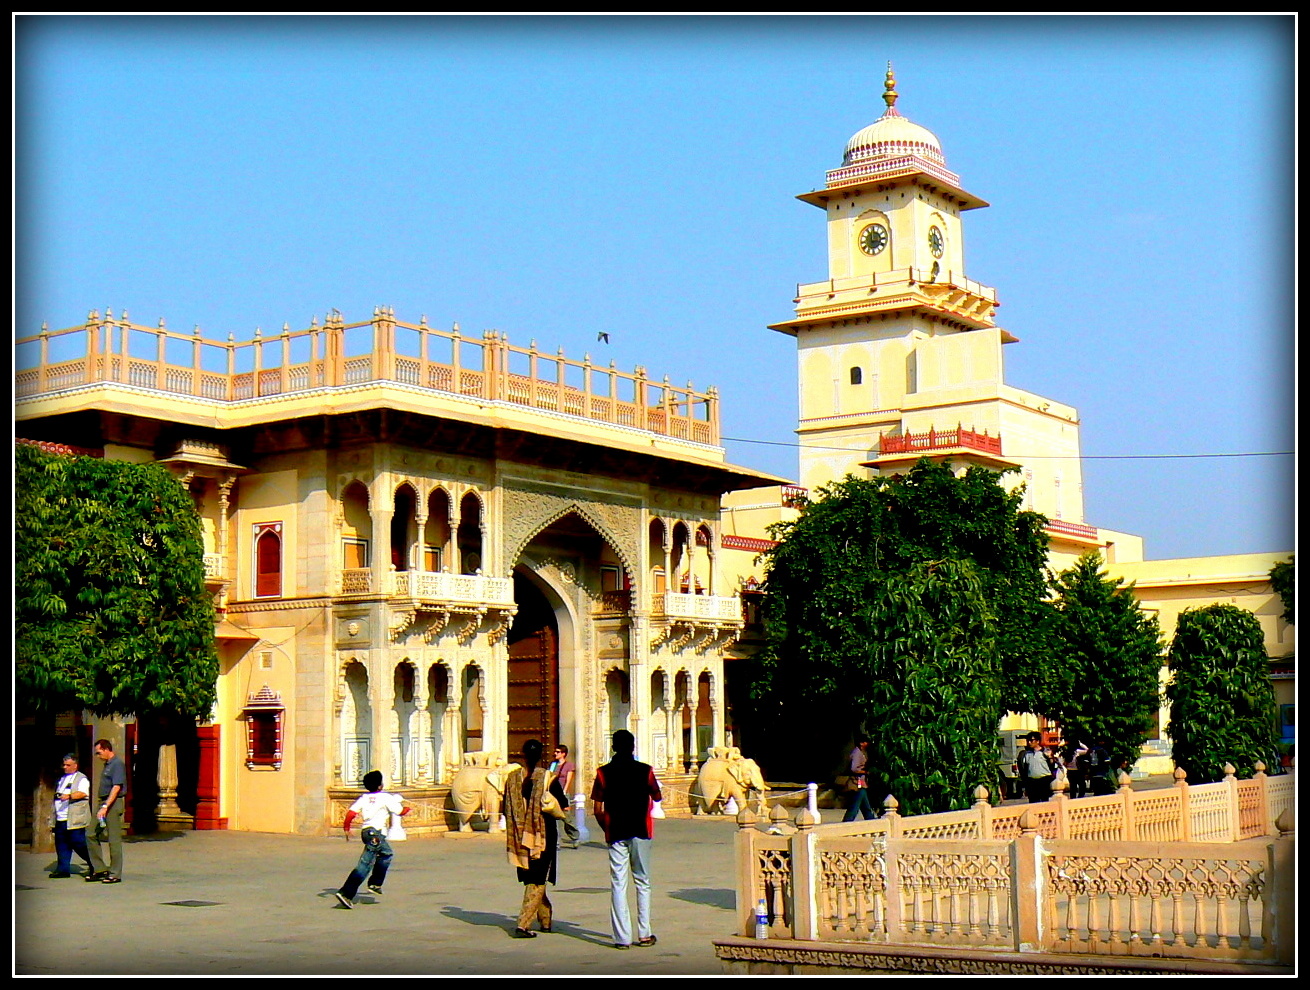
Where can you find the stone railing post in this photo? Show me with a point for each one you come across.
(984, 812)
(893, 819)
(1269, 827)
(1129, 808)
(746, 864)
(805, 877)
(1234, 809)
(1184, 805)
(1282, 854)
(1060, 802)
(1027, 886)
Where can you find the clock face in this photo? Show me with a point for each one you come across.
(873, 238)
(936, 243)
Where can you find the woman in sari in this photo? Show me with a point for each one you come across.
(530, 836)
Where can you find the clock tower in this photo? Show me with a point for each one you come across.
(899, 354)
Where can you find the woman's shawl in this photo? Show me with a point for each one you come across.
(525, 826)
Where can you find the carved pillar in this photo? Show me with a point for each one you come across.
(379, 691)
(420, 541)
(422, 761)
(450, 552)
(670, 580)
(381, 563)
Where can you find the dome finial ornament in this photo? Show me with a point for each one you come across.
(889, 94)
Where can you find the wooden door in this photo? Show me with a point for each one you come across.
(533, 691)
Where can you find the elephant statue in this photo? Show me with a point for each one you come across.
(478, 787)
(726, 776)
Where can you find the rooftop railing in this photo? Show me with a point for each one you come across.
(336, 354)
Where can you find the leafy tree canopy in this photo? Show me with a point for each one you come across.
(1222, 707)
(848, 626)
(112, 612)
(1108, 651)
(1283, 576)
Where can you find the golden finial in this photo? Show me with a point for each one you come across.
(889, 94)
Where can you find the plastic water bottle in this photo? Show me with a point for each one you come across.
(761, 920)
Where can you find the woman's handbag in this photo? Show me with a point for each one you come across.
(550, 806)
(550, 803)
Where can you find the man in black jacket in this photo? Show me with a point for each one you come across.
(621, 801)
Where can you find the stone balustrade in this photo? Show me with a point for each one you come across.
(1202, 872)
(703, 608)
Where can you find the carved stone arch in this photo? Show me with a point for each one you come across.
(625, 550)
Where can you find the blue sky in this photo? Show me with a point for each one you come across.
(558, 177)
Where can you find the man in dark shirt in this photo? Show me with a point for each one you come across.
(621, 801)
(109, 812)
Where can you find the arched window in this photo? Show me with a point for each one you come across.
(857, 376)
(268, 560)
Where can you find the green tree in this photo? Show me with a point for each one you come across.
(834, 583)
(112, 613)
(1109, 651)
(1222, 707)
(1283, 577)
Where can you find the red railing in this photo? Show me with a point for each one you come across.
(1071, 528)
(908, 443)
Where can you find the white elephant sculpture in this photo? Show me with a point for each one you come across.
(478, 788)
(726, 776)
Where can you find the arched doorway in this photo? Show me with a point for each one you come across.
(533, 674)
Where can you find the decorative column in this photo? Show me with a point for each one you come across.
(169, 816)
(423, 760)
(381, 563)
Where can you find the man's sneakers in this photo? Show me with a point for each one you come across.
(375, 890)
(342, 899)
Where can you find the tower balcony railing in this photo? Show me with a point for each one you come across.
(909, 443)
(1065, 528)
(426, 586)
(702, 608)
(214, 570)
(336, 354)
(900, 279)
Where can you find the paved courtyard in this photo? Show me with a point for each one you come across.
(251, 903)
(241, 903)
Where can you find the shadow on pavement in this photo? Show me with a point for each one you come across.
(506, 923)
(713, 897)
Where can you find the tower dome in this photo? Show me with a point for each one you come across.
(892, 136)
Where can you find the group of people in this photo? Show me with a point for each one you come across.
(1086, 766)
(536, 806)
(74, 813)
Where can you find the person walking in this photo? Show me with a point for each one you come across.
(564, 771)
(1074, 759)
(72, 816)
(1100, 771)
(534, 802)
(1036, 770)
(378, 812)
(109, 816)
(621, 799)
(859, 773)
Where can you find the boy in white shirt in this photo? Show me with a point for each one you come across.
(375, 809)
